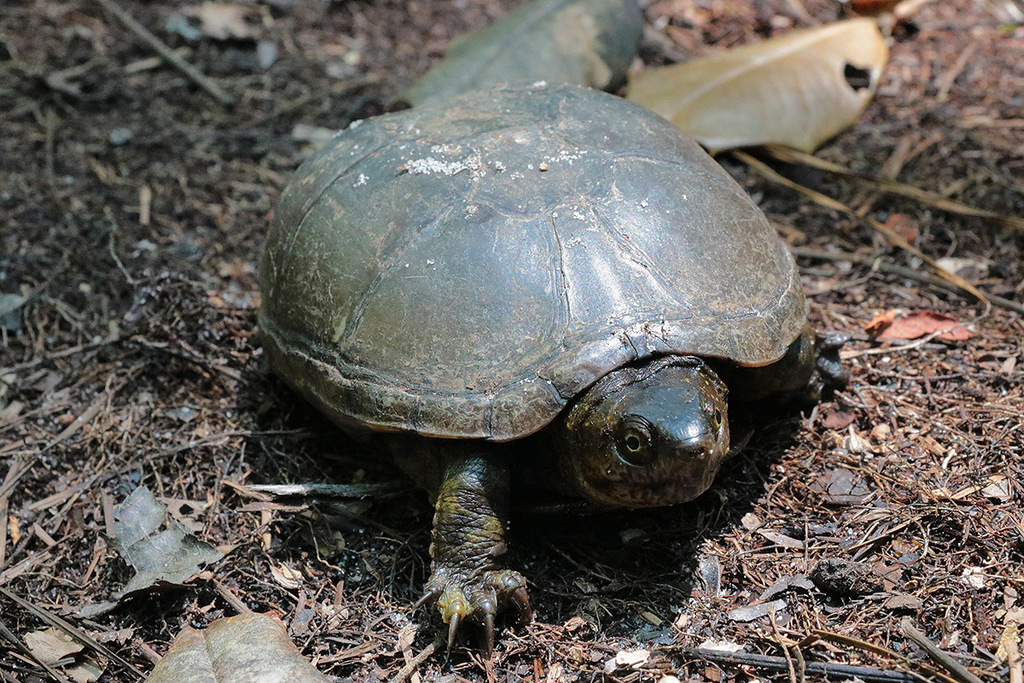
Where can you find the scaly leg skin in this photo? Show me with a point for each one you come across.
(468, 538)
(828, 365)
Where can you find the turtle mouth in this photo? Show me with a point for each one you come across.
(702, 444)
(654, 492)
(645, 487)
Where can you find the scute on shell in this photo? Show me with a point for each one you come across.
(465, 270)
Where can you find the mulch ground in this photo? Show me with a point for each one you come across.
(132, 213)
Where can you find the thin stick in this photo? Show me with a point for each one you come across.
(168, 54)
(413, 663)
(878, 650)
(28, 654)
(343, 491)
(792, 156)
(230, 597)
(70, 629)
(938, 656)
(902, 271)
(827, 669)
(894, 237)
(51, 126)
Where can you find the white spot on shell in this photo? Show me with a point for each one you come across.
(473, 163)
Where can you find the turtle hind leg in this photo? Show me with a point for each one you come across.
(467, 582)
(828, 366)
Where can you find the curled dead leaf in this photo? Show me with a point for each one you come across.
(890, 325)
(796, 90)
(286, 577)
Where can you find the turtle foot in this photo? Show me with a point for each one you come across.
(478, 598)
(830, 368)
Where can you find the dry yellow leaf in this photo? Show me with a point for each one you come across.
(796, 90)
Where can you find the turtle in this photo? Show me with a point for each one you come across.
(531, 287)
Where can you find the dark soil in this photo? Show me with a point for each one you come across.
(132, 213)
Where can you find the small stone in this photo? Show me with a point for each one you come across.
(974, 577)
(120, 136)
(881, 432)
(751, 522)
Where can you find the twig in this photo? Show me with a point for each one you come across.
(792, 156)
(785, 650)
(168, 54)
(865, 646)
(232, 599)
(3, 529)
(902, 271)
(81, 348)
(27, 653)
(315, 490)
(51, 126)
(72, 630)
(827, 669)
(894, 237)
(938, 656)
(413, 663)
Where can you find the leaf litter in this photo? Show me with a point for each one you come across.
(96, 360)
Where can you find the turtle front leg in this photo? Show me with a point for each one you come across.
(468, 538)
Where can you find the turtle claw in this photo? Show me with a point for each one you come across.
(489, 633)
(453, 627)
(429, 595)
(521, 600)
(477, 598)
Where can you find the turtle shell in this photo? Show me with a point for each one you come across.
(464, 270)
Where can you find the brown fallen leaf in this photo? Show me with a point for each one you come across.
(249, 647)
(902, 601)
(796, 90)
(919, 324)
(904, 226)
(881, 321)
(841, 487)
(833, 418)
(53, 645)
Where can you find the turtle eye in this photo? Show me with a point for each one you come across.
(718, 418)
(635, 442)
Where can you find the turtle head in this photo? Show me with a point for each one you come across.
(648, 435)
